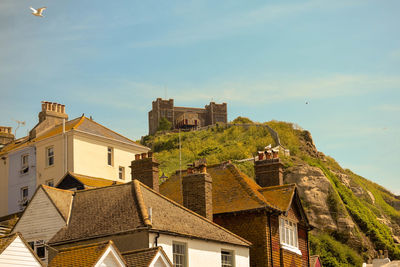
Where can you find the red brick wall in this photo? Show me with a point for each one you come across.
(252, 226)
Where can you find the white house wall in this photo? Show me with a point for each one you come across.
(18, 180)
(4, 186)
(90, 157)
(17, 254)
(41, 220)
(202, 253)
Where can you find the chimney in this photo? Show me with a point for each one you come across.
(52, 114)
(6, 135)
(197, 190)
(268, 169)
(145, 169)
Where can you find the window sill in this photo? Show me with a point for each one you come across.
(291, 249)
(49, 166)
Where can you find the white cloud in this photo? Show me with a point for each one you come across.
(388, 108)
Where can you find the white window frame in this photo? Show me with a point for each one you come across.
(185, 254)
(48, 156)
(22, 193)
(288, 235)
(24, 164)
(231, 254)
(121, 172)
(110, 156)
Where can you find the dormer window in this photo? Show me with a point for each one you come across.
(289, 235)
(24, 164)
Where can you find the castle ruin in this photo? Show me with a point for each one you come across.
(184, 117)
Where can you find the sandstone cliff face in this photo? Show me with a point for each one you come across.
(319, 199)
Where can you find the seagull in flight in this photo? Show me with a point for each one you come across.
(38, 12)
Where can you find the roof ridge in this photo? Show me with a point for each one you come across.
(141, 204)
(99, 188)
(140, 250)
(85, 246)
(82, 118)
(11, 238)
(53, 202)
(192, 212)
(269, 188)
(237, 175)
(115, 132)
(57, 189)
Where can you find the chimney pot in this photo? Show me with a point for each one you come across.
(149, 154)
(268, 155)
(144, 155)
(137, 157)
(260, 155)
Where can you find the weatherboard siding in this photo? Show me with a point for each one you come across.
(17, 254)
(41, 220)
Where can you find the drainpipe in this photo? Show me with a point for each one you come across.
(156, 239)
(65, 148)
(270, 239)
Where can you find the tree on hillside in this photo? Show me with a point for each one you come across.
(164, 125)
(242, 120)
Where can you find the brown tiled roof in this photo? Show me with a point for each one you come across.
(89, 181)
(62, 199)
(6, 240)
(121, 208)
(234, 191)
(80, 256)
(142, 257)
(81, 124)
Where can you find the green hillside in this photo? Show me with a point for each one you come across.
(371, 208)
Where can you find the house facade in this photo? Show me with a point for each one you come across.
(133, 211)
(15, 251)
(56, 146)
(267, 213)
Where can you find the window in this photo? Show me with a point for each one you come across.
(32, 245)
(24, 193)
(49, 156)
(24, 164)
(50, 183)
(288, 235)
(110, 156)
(121, 172)
(179, 254)
(226, 258)
(41, 252)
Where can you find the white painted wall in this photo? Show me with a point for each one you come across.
(4, 186)
(41, 220)
(17, 180)
(90, 157)
(203, 253)
(110, 258)
(17, 254)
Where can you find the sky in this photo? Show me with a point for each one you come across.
(265, 59)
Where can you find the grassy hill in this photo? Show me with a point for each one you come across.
(373, 209)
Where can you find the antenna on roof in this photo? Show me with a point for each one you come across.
(19, 125)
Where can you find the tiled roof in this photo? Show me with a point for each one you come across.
(234, 191)
(82, 124)
(142, 257)
(80, 256)
(89, 181)
(121, 208)
(5, 241)
(62, 199)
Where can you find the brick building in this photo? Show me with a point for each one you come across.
(267, 213)
(184, 117)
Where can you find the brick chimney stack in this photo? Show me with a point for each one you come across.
(6, 135)
(268, 168)
(145, 169)
(52, 114)
(197, 190)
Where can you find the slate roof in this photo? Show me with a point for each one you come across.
(234, 191)
(82, 124)
(62, 199)
(80, 256)
(142, 257)
(124, 208)
(89, 181)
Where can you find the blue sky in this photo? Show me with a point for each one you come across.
(266, 59)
